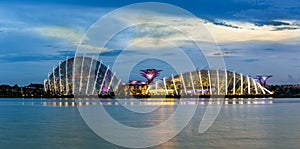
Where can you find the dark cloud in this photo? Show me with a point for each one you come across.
(270, 49)
(265, 11)
(48, 46)
(66, 53)
(285, 28)
(29, 58)
(60, 55)
(245, 10)
(224, 23)
(251, 60)
(118, 52)
(225, 53)
(111, 53)
(273, 23)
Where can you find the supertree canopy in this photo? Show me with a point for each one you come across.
(150, 74)
(263, 79)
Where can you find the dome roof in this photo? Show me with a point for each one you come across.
(81, 76)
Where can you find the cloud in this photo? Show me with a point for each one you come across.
(285, 28)
(223, 31)
(266, 32)
(70, 34)
(123, 52)
(28, 58)
(35, 57)
(270, 49)
(224, 23)
(267, 10)
(251, 60)
(223, 54)
(66, 53)
(111, 53)
(66, 23)
(246, 47)
(273, 23)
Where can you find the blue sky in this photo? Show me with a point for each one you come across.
(256, 36)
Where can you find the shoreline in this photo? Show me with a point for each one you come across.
(126, 97)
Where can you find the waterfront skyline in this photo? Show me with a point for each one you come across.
(255, 36)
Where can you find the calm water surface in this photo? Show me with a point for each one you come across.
(48, 123)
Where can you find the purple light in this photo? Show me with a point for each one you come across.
(189, 91)
(134, 82)
(150, 74)
(104, 88)
(263, 79)
(200, 91)
(143, 83)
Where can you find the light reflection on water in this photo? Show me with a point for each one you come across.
(56, 123)
(135, 102)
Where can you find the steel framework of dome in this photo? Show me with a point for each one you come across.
(81, 76)
(208, 82)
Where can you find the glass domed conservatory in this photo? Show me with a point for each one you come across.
(88, 76)
(207, 82)
(81, 76)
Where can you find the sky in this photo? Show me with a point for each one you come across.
(255, 36)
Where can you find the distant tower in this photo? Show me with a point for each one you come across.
(263, 79)
(150, 74)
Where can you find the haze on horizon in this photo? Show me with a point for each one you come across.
(256, 36)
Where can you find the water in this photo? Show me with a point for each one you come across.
(48, 123)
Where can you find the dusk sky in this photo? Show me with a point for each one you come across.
(255, 36)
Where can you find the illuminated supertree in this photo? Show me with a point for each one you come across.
(263, 79)
(150, 74)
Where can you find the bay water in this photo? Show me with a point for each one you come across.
(57, 123)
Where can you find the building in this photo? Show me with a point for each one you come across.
(88, 76)
(207, 82)
(81, 76)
